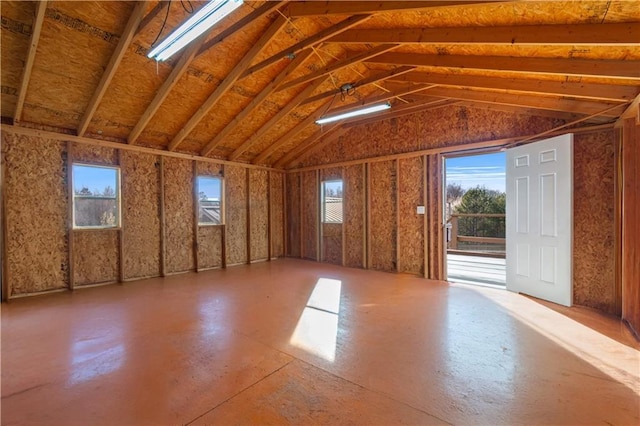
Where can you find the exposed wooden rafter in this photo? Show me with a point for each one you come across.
(564, 88)
(125, 39)
(368, 80)
(320, 8)
(291, 134)
(339, 65)
(311, 145)
(257, 101)
(229, 81)
(571, 35)
(561, 66)
(293, 103)
(41, 7)
(258, 13)
(149, 17)
(308, 42)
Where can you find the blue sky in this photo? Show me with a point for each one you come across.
(486, 170)
(210, 186)
(93, 178)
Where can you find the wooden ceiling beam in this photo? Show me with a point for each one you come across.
(229, 81)
(339, 65)
(149, 17)
(312, 145)
(560, 66)
(291, 134)
(176, 73)
(36, 29)
(321, 8)
(266, 8)
(308, 42)
(257, 101)
(323, 131)
(125, 40)
(530, 101)
(369, 80)
(564, 88)
(570, 34)
(293, 103)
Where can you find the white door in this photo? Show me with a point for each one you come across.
(539, 219)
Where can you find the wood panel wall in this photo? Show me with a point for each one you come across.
(294, 200)
(158, 236)
(382, 230)
(310, 217)
(630, 235)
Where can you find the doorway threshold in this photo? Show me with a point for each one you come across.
(476, 270)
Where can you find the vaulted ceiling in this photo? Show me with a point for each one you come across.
(251, 89)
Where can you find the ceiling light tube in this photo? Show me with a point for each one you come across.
(195, 26)
(362, 111)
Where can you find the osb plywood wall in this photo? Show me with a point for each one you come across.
(35, 201)
(410, 223)
(382, 214)
(236, 214)
(276, 192)
(354, 215)
(294, 200)
(209, 247)
(259, 218)
(37, 217)
(594, 169)
(453, 125)
(95, 257)
(179, 214)
(593, 220)
(310, 205)
(140, 214)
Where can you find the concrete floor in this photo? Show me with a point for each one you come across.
(297, 342)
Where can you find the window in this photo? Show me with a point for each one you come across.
(332, 201)
(209, 200)
(96, 196)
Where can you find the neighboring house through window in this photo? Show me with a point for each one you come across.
(332, 201)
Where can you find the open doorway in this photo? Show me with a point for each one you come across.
(475, 214)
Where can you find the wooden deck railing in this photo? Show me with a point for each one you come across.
(454, 237)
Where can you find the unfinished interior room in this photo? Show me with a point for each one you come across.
(238, 212)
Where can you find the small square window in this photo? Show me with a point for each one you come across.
(96, 196)
(210, 206)
(332, 201)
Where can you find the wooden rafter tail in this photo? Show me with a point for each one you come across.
(564, 34)
(633, 110)
(321, 8)
(31, 56)
(291, 133)
(229, 81)
(293, 103)
(339, 65)
(558, 88)
(559, 66)
(257, 101)
(315, 145)
(302, 145)
(125, 40)
(308, 42)
(369, 80)
(176, 73)
(258, 13)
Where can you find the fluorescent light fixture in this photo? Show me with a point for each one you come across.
(362, 111)
(204, 19)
